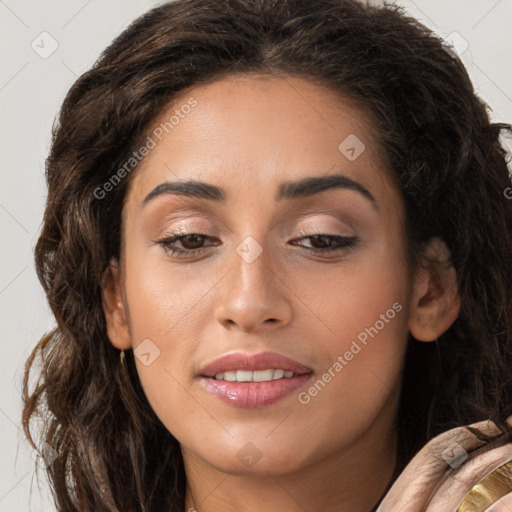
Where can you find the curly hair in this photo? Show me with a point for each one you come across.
(114, 454)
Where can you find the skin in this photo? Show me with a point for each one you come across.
(247, 135)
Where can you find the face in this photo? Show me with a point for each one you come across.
(316, 274)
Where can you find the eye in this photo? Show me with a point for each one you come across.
(329, 244)
(194, 243)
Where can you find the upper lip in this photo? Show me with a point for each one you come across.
(253, 362)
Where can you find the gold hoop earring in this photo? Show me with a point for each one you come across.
(122, 360)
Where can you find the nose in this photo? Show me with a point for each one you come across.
(254, 294)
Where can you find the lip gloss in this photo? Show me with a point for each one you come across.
(254, 394)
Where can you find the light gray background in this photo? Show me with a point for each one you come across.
(31, 90)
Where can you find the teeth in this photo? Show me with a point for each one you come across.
(244, 375)
(278, 374)
(257, 376)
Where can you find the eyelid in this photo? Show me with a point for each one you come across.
(183, 228)
(312, 231)
(318, 229)
(301, 232)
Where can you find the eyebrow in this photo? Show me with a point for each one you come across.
(304, 187)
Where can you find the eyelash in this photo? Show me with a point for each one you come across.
(346, 243)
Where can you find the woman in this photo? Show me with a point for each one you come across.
(276, 245)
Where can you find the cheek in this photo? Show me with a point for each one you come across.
(162, 298)
(365, 310)
(367, 292)
(165, 317)
(365, 344)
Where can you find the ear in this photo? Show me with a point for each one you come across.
(435, 300)
(114, 307)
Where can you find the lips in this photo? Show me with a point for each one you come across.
(255, 393)
(253, 362)
(250, 395)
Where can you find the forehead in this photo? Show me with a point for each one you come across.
(249, 132)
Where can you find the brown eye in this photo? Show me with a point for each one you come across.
(193, 241)
(190, 243)
(329, 244)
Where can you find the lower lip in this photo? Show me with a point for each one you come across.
(254, 394)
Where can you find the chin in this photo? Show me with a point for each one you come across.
(253, 458)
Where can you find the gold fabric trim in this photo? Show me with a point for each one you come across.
(489, 490)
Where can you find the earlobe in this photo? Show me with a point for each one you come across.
(435, 301)
(114, 307)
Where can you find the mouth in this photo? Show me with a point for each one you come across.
(246, 367)
(253, 380)
(255, 376)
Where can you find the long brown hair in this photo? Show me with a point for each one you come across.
(113, 453)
